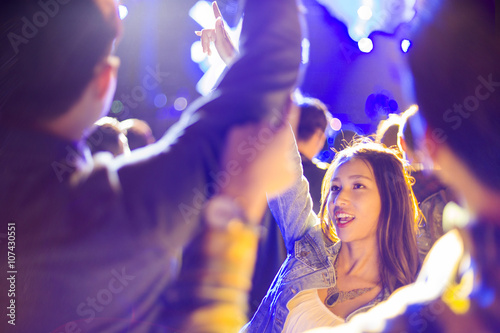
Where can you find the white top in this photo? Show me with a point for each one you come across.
(307, 312)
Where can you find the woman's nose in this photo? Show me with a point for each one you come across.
(342, 198)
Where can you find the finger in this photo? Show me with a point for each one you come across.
(205, 44)
(216, 9)
(207, 36)
(198, 33)
(219, 28)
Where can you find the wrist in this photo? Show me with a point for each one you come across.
(223, 210)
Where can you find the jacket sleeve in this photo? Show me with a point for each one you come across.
(183, 169)
(293, 210)
(166, 185)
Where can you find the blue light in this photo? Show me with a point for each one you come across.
(160, 100)
(122, 11)
(405, 45)
(365, 45)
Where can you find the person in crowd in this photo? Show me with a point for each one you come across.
(432, 195)
(107, 136)
(387, 132)
(108, 246)
(138, 133)
(457, 80)
(360, 249)
(311, 137)
(377, 108)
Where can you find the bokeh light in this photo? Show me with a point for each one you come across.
(405, 45)
(180, 103)
(160, 100)
(336, 124)
(365, 13)
(122, 11)
(365, 45)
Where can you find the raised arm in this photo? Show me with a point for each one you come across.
(293, 209)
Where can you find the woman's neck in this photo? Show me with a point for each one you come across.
(360, 259)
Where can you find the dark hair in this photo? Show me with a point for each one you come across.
(396, 234)
(313, 116)
(50, 56)
(456, 68)
(106, 136)
(379, 104)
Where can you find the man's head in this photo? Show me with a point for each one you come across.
(107, 136)
(406, 138)
(53, 51)
(313, 120)
(457, 81)
(138, 132)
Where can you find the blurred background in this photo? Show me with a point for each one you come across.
(353, 50)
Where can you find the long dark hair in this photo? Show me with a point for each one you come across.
(397, 246)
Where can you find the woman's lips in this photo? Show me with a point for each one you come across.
(343, 219)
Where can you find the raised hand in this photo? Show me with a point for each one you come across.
(219, 37)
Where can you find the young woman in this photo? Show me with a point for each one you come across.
(368, 203)
(454, 62)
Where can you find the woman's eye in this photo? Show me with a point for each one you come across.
(335, 188)
(356, 186)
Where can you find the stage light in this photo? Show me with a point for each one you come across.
(363, 17)
(305, 50)
(405, 45)
(365, 13)
(180, 103)
(197, 54)
(365, 45)
(202, 13)
(336, 124)
(160, 100)
(122, 11)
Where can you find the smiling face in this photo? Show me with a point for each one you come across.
(354, 202)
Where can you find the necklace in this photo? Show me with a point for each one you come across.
(335, 296)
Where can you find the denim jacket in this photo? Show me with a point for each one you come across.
(309, 264)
